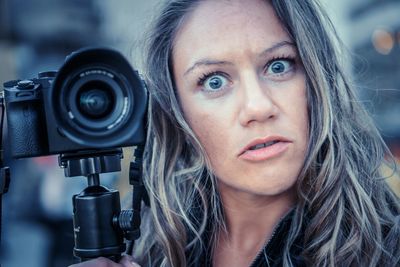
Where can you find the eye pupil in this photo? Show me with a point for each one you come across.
(278, 67)
(215, 83)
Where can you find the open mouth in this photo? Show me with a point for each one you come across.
(258, 146)
(260, 150)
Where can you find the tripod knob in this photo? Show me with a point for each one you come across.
(129, 223)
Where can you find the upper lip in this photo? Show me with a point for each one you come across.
(264, 140)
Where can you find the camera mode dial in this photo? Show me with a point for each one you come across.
(25, 84)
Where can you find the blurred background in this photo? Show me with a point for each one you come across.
(37, 35)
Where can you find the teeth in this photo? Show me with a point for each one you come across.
(257, 146)
(271, 143)
(263, 145)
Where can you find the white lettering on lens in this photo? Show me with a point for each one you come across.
(93, 72)
(123, 114)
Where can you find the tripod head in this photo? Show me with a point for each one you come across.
(99, 224)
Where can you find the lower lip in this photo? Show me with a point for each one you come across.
(265, 152)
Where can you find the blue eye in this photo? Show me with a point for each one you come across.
(213, 82)
(280, 66)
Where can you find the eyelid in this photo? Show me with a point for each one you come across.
(291, 59)
(208, 75)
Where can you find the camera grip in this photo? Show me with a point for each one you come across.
(26, 129)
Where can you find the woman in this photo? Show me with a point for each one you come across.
(258, 153)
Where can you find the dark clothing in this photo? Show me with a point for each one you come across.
(273, 250)
(272, 253)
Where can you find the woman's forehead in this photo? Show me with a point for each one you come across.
(215, 26)
(212, 10)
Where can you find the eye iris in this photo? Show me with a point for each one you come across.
(215, 83)
(278, 67)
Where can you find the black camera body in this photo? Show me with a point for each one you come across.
(95, 101)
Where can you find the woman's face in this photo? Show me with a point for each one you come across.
(242, 89)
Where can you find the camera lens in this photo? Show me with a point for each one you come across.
(98, 101)
(95, 100)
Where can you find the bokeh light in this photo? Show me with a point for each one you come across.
(383, 41)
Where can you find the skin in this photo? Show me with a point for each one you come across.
(239, 78)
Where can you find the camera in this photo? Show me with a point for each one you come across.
(95, 101)
(89, 109)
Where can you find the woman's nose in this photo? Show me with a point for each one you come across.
(257, 103)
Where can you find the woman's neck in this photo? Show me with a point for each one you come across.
(250, 221)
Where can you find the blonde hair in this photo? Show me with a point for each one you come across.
(345, 213)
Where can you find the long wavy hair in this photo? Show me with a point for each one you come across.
(345, 212)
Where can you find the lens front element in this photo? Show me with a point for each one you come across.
(95, 100)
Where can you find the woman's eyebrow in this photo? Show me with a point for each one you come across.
(208, 62)
(277, 46)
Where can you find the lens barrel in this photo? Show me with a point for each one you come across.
(98, 100)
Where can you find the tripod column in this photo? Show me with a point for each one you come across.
(93, 179)
(95, 235)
